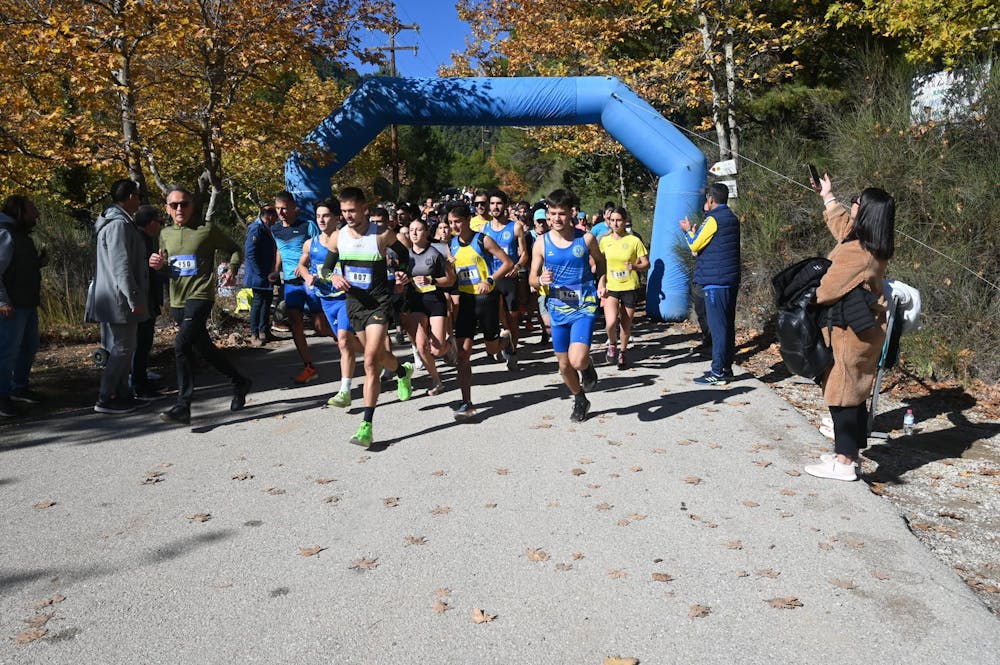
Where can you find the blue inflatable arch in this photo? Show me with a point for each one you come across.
(655, 142)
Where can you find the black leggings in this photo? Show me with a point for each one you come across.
(850, 429)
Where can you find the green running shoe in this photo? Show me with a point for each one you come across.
(364, 436)
(341, 399)
(403, 387)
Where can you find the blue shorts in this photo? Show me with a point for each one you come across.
(578, 331)
(298, 296)
(336, 314)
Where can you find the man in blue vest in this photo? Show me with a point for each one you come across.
(716, 244)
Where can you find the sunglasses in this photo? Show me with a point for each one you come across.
(480, 203)
(855, 200)
(177, 205)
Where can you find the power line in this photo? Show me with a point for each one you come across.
(391, 48)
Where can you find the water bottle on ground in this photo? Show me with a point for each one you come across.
(908, 422)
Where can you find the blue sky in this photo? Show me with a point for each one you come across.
(441, 32)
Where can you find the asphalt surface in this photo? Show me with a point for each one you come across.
(672, 526)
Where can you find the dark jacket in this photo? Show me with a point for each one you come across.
(20, 265)
(259, 253)
(718, 263)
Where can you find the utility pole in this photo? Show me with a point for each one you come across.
(391, 48)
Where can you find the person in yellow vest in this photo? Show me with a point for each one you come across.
(618, 288)
(478, 306)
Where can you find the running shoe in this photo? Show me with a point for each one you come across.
(341, 400)
(8, 408)
(465, 411)
(622, 364)
(589, 378)
(581, 407)
(307, 374)
(114, 407)
(27, 396)
(712, 379)
(177, 416)
(511, 358)
(436, 389)
(612, 355)
(240, 390)
(403, 386)
(364, 436)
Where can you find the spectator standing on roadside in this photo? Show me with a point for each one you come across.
(118, 297)
(187, 250)
(259, 273)
(20, 295)
(149, 219)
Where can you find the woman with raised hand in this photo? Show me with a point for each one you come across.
(854, 323)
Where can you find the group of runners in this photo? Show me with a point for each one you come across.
(448, 273)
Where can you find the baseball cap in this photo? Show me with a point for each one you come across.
(540, 214)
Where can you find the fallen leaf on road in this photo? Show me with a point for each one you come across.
(880, 575)
(578, 472)
(786, 603)
(537, 554)
(619, 660)
(576, 556)
(593, 486)
(273, 491)
(30, 635)
(325, 481)
(843, 584)
(623, 522)
(39, 620)
(762, 463)
(617, 574)
(637, 517)
(333, 498)
(662, 577)
(439, 473)
(553, 504)
(768, 572)
(699, 611)
(542, 426)
(243, 476)
(986, 471)
(416, 540)
(635, 469)
(44, 504)
(787, 492)
(750, 504)
(390, 502)
(443, 591)
(441, 510)
(51, 600)
(826, 546)
(757, 447)
(793, 472)
(692, 480)
(503, 472)
(877, 488)
(714, 446)
(479, 616)
(440, 606)
(742, 573)
(950, 515)
(604, 506)
(200, 517)
(310, 551)
(153, 477)
(660, 451)
(734, 545)
(364, 563)
(490, 505)
(614, 475)
(564, 566)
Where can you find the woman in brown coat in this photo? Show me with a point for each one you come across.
(865, 242)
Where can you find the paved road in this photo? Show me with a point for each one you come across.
(585, 541)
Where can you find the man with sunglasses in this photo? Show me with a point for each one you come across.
(187, 253)
(480, 212)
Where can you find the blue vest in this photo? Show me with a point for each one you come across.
(718, 264)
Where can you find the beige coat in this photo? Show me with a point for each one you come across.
(855, 357)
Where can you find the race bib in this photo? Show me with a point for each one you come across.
(468, 275)
(427, 288)
(358, 277)
(567, 295)
(620, 274)
(184, 265)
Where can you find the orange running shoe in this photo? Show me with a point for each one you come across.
(307, 374)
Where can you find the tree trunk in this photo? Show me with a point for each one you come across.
(621, 180)
(714, 84)
(731, 124)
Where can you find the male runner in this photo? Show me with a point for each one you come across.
(361, 248)
(509, 236)
(561, 261)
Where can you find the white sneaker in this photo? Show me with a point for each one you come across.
(418, 362)
(833, 470)
(826, 431)
(829, 457)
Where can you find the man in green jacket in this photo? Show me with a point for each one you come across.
(187, 251)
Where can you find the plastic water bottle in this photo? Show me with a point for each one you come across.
(908, 422)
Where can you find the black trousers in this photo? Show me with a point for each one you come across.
(850, 429)
(698, 300)
(260, 311)
(193, 336)
(140, 360)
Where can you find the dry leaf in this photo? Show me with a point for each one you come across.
(325, 481)
(364, 563)
(576, 556)
(273, 491)
(762, 463)
(153, 477)
(333, 498)
(750, 504)
(51, 600)
(623, 522)
(479, 616)
(787, 603)
(40, 620)
(585, 460)
(503, 472)
(785, 514)
(660, 451)
(793, 472)
(637, 517)
(441, 510)
(617, 574)
(742, 573)
(619, 660)
(986, 471)
(310, 551)
(950, 515)
(734, 545)
(542, 426)
(787, 492)
(692, 480)
(825, 546)
(200, 517)
(243, 476)
(564, 566)
(30, 635)
(390, 502)
(553, 504)
(843, 584)
(416, 540)
(662, 577)
(578, 472)
(604, 506)
(440, 606)
(757, 447)
(880, 575)
(614, 475)
(635, 469)
(537, 555)
(593, 486)
(490, 505)
(364, 458)
(439, 473)
(443, 591)
(699, 611)
(877, 488)
(44, 504)
(768, 572)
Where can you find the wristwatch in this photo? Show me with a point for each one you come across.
(490, 281)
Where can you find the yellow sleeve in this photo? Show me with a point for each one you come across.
(705, 233)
